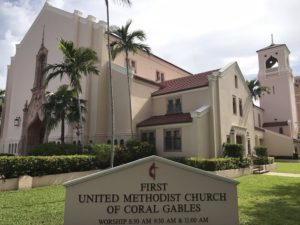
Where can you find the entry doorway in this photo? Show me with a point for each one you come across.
(35, 133)
(239, 139)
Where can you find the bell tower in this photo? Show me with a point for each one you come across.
(280, 113)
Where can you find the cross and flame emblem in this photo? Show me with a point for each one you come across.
(152, 171)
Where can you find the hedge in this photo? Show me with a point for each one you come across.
(233, 150)
(261, 151)
(11, 167)
(214, 164)
(49, 149)
(262, 160)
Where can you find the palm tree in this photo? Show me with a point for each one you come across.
(256, 89)
(126, 2)
(77, 61)
(127, 42)
(62, 106)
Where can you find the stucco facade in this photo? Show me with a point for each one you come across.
(182, 114)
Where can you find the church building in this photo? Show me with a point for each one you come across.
(182, 114)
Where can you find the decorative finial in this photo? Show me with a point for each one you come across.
(43, 38)
(272, 40)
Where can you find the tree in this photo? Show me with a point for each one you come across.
(126, 2)
(128, 42)
(256, 89)
(77, 61)
(62, 106)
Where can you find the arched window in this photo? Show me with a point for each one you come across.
(271, 62)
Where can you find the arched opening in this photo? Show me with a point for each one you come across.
(35, 133)
(272, 62)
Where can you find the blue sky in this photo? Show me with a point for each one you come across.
(196, 35)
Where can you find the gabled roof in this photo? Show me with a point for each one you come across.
(184, 83)
(166, 119)
(276, 124)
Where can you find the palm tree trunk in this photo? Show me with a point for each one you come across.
(111, 90)
(62, 135)
(80, 121)
(129, 93)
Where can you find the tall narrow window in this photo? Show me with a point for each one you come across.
(170, 106)
(144, 136)
(241, 107)
(177, 140)
(132, 65)
(234, 104)
(236, 81)
(160, 76)
(280, 130)
(151, 138)
(177, 105)
(157, 76)
(259, 120)
(168, 141)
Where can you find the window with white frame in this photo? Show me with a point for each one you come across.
(174, 105)
(172, 140)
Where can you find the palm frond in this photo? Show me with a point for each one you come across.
(123, 2)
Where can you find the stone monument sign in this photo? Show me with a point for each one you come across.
(152, 190)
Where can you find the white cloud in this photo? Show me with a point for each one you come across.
(195, 35)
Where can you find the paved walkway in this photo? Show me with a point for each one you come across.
(283, 174)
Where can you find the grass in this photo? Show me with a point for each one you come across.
(287, 167)
(264, 200)
(269, 200)
(38, 206)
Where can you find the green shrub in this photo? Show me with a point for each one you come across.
(262, 160)
(215, 163)
(261, 151)
(6, 154)
(133, 150)
(295, 156)
(11, 167)
(102, 153)
(233, 150)
(49, 149)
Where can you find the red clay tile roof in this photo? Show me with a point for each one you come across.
(184, 83)
(166, 119)
(275, 124)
